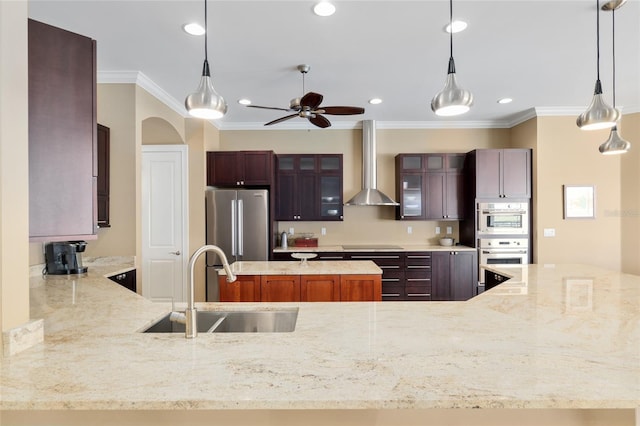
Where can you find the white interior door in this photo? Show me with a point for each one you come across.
(164, 222)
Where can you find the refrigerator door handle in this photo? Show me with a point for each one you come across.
(233, 227)
(240, 228)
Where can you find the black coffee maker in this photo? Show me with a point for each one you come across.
(65, 258)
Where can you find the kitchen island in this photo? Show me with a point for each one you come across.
(302, 281)
(563, 349)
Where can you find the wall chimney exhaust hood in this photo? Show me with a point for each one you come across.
(369, 196)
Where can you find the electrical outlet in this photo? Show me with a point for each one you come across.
(449, 230)
(437, 229)
(409, 230)
(291, 232)
(323, 231)
(549, 232)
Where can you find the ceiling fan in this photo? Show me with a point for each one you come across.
(308, 106)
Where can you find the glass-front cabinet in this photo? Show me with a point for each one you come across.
(429, 186)
(309, 187)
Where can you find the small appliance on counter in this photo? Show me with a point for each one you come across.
(64, 258)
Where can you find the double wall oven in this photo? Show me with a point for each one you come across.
(503, 235)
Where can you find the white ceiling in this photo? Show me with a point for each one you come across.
(540, 53)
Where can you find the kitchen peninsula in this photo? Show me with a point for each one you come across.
(563, 349)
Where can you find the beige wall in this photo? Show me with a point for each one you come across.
(630, 203)
(14, 166)
(367, 224)
(567, 155)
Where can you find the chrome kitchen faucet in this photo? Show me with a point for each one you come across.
(189, 317)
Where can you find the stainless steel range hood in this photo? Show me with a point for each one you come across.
(369, 196)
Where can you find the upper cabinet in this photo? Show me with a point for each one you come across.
(239, 168)
(429, 186)
(309, 187)
(501, 173)
(63, 165)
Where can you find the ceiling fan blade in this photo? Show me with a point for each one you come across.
(285, 118)
(319, 121)
(266, 107)
(342, 110)
(311, 100)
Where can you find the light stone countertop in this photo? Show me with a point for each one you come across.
(571, 340)
(319, 267)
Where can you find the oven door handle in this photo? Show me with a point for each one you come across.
(504, 251)
(503, 212)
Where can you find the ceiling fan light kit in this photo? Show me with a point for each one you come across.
(205, 102)
(452, 100)
(599, 115)
(614, 144)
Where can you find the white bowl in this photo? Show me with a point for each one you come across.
(446, 241)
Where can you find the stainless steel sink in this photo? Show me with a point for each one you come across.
(259, 321)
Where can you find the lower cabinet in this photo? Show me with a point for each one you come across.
(454, 275)
(301, 288)
(126, 279)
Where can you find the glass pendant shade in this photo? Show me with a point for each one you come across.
(615, 144)
(205, 102)
(599, 115)
(452, 100)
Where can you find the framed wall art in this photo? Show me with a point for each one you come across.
(579, 202)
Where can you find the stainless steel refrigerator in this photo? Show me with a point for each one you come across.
(238, 223)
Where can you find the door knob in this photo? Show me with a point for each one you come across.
(177, 253)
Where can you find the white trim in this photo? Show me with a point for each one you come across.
(140, 79)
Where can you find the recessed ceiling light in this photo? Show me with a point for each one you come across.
(244, 101)
(505, 100)
(457, 26)
(193, 29)
(324, 8)
(375, 101)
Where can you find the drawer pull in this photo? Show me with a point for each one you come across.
(388, 267)
(418, 257)
(418, 279)
(390, 279)
(375, 257)
(419, 267)
(390, 294)
(331, 257)
(418, 294)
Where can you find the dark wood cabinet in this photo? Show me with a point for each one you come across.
(418, 276)
(103, 187)
(309, 187)
(454, 275)
(240, 168)
(502, 173)
(392, 265)
(430, 186)
(62, 134)
(126, 279)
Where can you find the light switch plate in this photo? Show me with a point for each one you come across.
(449, 230)
(323, 231)
(290, 231)
(409, 230)
(549, 232)
(437, 230)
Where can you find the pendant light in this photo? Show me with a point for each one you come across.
(615, 144)
(205, 102)
(452, 100)
(598, 115)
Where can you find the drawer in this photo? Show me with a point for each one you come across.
(392, 291)
(383, 259)
(417, 292)
(331, 256)
(423, 276)
(392, 275)
(418, 259)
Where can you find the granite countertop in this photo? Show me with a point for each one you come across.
(320, 267)
(571, 339)
(374, 248)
